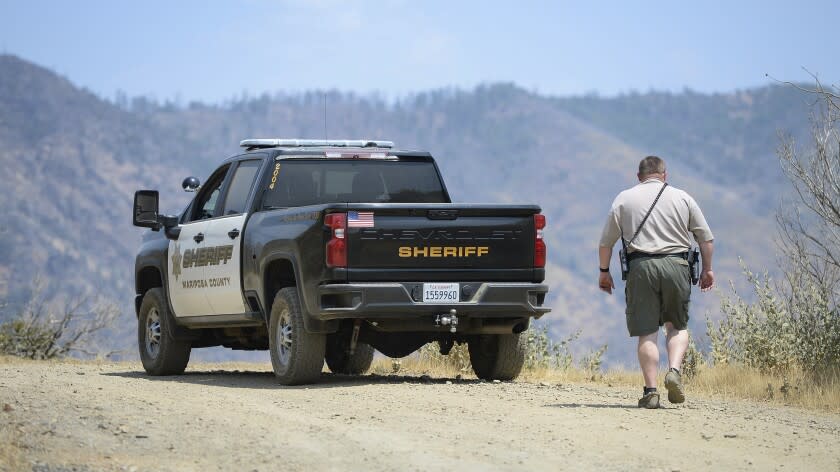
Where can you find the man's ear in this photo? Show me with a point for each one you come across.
(639, 176)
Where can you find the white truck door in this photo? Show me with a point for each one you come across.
(192, 252)
(224, 271)
(186, 279)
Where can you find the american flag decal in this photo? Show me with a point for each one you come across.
(360, 219)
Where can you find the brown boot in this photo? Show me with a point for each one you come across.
(649, 401)
(673, 382)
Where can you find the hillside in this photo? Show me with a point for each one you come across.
(72, 162)
(728, 138)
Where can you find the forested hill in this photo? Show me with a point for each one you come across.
(71, 162)
(729, 138)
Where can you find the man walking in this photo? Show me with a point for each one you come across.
(656, 222)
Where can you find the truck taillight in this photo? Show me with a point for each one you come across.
(539, 244)
(337, 245)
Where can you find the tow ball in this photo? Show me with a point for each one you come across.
(450, 320)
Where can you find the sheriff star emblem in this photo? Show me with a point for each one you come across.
(176, 261)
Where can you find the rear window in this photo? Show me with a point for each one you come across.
(311, 182)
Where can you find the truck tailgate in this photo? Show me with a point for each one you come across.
(441, 242)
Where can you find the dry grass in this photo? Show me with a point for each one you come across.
(417, 365)
(722, 382)
(797, 389)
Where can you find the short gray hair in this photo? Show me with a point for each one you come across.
(651, 165)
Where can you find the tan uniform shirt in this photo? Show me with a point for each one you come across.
(669, 227)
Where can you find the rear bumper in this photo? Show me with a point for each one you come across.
(403, 300)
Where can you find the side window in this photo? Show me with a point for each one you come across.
(205, 202)
(240, 187)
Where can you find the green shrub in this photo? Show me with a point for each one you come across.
(693, 360)
(30, 340)
(40, 331)
(543, 352)
(787, 327)
(591, 363)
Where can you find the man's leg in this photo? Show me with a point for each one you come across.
(649, 358)
(677, 341)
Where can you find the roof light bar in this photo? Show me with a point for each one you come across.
(267, 143)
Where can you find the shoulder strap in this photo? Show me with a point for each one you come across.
(639, 228)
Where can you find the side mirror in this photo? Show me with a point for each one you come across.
(146, 209)
(146, 214)
(191, 184)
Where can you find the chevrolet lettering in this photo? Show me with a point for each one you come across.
(439, 235)
(320, 250)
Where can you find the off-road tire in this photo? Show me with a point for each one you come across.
(170, 356)
(497, 356)
(341, 362)
(302, 356)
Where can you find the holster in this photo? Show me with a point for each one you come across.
(622, 259)
(694, 265)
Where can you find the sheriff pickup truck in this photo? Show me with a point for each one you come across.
(328, 250)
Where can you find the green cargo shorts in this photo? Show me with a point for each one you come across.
(658, 290)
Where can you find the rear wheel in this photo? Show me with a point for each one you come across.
(160, 353)
(296, 355)
(497, 356)
(340, 361)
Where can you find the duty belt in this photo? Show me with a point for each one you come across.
(639, 255)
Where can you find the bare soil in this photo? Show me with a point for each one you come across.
(57, 416)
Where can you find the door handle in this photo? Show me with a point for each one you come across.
(233, 233)
(198, 237)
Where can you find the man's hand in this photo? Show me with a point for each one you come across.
(707, 277)
(707, 280)
(605, 282)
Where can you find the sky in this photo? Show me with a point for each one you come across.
(215, 51)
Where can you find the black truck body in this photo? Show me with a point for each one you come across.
(342, 247)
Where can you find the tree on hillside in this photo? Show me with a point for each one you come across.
(810, 229)
(794, 324)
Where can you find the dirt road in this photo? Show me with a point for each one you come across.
(89, 416)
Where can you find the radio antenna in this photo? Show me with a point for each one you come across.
(325, 116)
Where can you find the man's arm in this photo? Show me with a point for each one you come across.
(609, 236)
(703, 234)
(707, 277)
(605, 280)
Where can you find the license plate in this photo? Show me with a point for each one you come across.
(441, 293)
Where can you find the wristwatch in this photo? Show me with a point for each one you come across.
(604, 270)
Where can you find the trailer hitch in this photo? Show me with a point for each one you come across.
(450, 320)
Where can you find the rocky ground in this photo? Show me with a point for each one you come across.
(61, 416)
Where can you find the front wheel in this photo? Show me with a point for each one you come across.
(160, 353)
(296, 355)
(497, 356)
